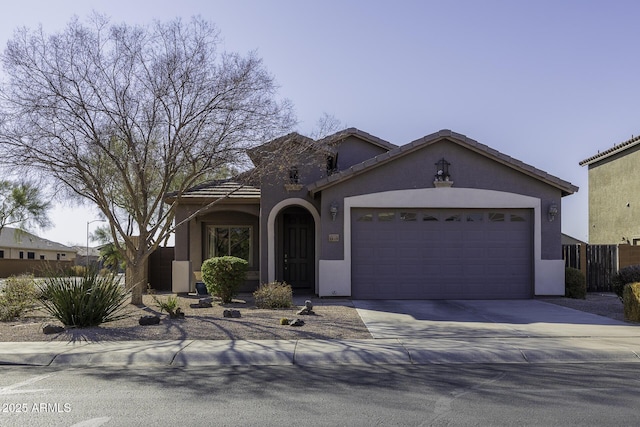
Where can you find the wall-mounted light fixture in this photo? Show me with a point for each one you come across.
(552, 212)
(333, 209)
(442, 170)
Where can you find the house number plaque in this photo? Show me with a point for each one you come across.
(334, 237)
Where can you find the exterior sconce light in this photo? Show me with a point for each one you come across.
(442, 170)
(333, 210)
(553, 212)
(293, 175)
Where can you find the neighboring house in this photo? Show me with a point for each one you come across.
(443, 217)
(16, 244)
(568, 240)
(22, 252)
(87, 258)
(614, 194)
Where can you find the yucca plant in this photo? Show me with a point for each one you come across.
(81, 302)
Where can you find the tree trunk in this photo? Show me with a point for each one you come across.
(136, 280)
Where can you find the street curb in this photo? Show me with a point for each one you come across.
(427, 351)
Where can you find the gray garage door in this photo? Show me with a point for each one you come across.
(441, 253)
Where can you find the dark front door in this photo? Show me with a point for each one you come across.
(298, 257)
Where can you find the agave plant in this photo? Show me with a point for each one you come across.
(86, 301)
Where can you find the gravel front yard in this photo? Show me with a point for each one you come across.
(334, 319)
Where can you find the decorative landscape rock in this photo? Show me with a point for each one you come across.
(231, 313)
(296, 322)
(149, 320)
(178, 314)
(203, 303)
(52, 329)
(307, 310)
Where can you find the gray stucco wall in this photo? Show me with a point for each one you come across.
(352, 151)
(275, 188)
(417, 170)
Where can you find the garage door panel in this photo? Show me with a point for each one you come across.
(477, 254)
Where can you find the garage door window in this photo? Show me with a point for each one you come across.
(475, 217)
(496, 217)
(408, 216)
(517, 218)
(386, 216)
(428, 217)
(454, 218)
(368, 217)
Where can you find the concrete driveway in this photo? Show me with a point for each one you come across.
(484, 319)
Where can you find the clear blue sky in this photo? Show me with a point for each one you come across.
(547, 82)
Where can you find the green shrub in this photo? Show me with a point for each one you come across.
(625, 275)
(575, 284)
(223, 276)
(632, 302)
(170, 305)
(273, 295)
(18, 295)
(83, 301)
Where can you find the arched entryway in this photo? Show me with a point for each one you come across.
(295, 248)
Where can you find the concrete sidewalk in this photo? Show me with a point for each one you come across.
(320, 352)
(404, 332)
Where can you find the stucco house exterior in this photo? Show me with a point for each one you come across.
(16, 244)
(614, 194)
(22, 252)
(443, 217)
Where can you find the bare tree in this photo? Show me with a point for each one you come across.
(326, 125)
(122, 115)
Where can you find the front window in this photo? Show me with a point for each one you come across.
(230, 240)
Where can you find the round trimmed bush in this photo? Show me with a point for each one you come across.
(224, 275)
(625, 275)
(575, 284)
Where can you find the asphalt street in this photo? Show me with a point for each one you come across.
(407, 395)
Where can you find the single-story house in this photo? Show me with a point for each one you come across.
(443, 217)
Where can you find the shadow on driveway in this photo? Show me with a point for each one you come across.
(485, 318)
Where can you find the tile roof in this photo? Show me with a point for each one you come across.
(221, 189)
(13, 238)
(566, 187)
(611, 151)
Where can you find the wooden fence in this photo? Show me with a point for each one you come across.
(37, 267)
(600, 262)
(160, 266)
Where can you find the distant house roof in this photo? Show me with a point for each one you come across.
(566, 187)
(568, 240)
(81, 251)
(18, 239)
(611, 151)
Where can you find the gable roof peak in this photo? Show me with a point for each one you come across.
(566, 187)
